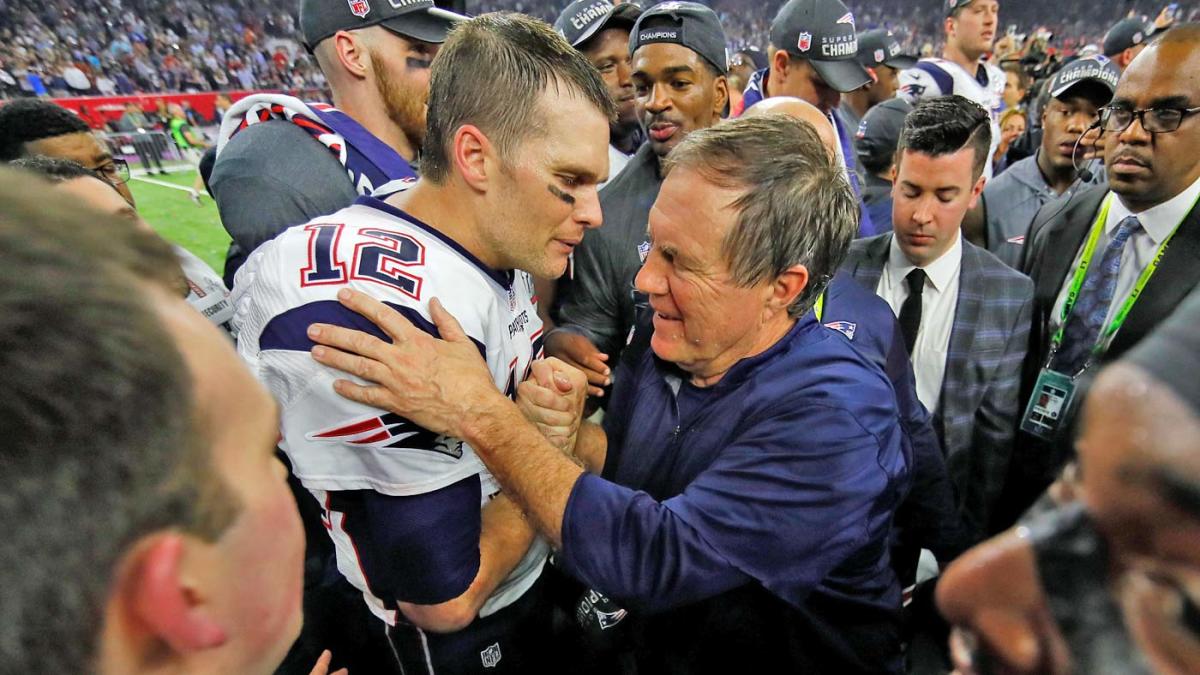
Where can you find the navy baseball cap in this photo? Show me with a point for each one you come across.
(416, 19)
(688, 24)
(1098, 73)
(582, 19)
(879, 132)
(822, 31)
(1125, 34)
(880, 47)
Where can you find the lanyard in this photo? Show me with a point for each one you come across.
(1085, 262)
(819, 308)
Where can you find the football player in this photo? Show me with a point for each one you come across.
(441, 557)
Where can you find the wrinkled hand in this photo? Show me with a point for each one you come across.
(435, 383)
(579, 352)
(322, 667)
(553, 398)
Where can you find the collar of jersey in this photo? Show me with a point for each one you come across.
(504, 278)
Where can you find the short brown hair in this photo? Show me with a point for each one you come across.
(489, 74)
(101, 447)
(798, 208)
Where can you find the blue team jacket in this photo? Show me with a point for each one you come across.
(746, 524)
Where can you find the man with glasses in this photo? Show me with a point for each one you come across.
(1136, 243)
(30, 127)
(1072, 105)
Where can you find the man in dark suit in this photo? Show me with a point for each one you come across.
(963, 313)
(1100, 246)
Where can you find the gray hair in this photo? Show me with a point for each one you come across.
(797, 209)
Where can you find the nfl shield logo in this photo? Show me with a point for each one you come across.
(805, 42)
(490, 656)
(879, 56)
(359, 8)
(644, 250)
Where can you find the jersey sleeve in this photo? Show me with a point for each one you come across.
(336, 444)
(923, 82)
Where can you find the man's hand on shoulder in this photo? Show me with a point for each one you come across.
(438, 384)
(579, 352)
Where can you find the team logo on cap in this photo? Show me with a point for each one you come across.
(879, 56)
(359, 8)
(847, 18)
(1138, 37)
(804, 43)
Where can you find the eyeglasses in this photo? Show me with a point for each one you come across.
(1153, 120)
(115, 171)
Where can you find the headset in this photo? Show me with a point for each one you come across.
(1083, 172)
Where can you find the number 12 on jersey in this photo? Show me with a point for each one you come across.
(381, 256)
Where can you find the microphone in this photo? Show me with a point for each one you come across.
(1083, 172)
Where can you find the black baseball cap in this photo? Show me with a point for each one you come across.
(822, 31)
(1125, 34)
(416, 19)
(688, 24)
(582, 19)
(880, 47)
(879, 132)
(1098, 75)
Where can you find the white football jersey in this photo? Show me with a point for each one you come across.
(336, 444)
(938, 77)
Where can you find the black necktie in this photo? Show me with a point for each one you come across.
(910, 311)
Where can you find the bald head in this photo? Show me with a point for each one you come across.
(801, 110)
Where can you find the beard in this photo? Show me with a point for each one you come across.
(404, 102)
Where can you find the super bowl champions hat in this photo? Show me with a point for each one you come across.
(417, 19)
(582, 19)
(822, 31)
(688, 24)
(1094, 75)
(880, 47)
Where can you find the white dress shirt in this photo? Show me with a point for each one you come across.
(1157, 224)
(939, 302)
(616, 161)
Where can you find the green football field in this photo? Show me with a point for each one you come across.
(176, 216)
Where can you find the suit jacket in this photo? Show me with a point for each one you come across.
(979, 408)
(1055, 237)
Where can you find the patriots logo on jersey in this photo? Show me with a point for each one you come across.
(389, 431)
(844, 327)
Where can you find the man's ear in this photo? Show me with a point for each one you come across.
(721, 97)
(977, 190)
(159, 600)
(787, 287)
(351, 53)
(779, 67)
(474, 156)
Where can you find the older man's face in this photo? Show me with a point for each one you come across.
(703, 321)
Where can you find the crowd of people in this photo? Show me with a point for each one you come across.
(587, 345)
(58, 48)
